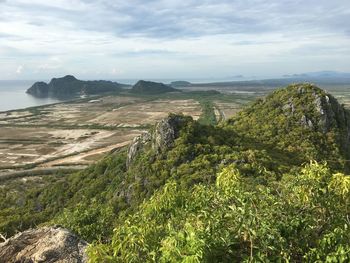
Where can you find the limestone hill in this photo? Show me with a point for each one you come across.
(70, 86)
(300, 119)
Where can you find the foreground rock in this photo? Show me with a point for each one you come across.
(46, 244)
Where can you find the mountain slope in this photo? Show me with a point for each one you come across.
(238, 191)
(300, 119)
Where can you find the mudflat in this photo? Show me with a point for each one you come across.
(80, 132)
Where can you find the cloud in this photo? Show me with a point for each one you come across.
(147, 53)
(212, 36)
(171, 19)
(19, 69)
(321, 49)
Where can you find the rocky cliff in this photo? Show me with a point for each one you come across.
(322, 111)
(160, 139)
(46, 244)
(138, 144)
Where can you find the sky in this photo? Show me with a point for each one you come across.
(172, 39)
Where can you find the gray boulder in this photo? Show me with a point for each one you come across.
(46, 244)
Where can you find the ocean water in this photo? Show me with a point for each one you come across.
(13, 95)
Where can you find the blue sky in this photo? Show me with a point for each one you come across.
(41, 39)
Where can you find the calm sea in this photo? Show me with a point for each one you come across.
(13, 95)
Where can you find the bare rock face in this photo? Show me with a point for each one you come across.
(316, 109)
(332, 113)
(46, 244)
(161, 139)
(136, 146)
(166, 131)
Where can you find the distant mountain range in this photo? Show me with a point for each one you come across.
(320, 74)
(324, 78)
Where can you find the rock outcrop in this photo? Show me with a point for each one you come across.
(46, 244)
(39, 89)
(300, 116)
(166, 131)
(161, 139)
(332, 113)
(328, 112)
(137, 146)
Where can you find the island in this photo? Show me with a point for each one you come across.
(69, 86)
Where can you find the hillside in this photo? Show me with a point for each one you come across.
(68, 86)
(265, 186)
(150, 87)
(302, 120)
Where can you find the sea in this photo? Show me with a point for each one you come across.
(13, 95)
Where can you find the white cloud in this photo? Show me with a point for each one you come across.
(172, 39)
(19, 69)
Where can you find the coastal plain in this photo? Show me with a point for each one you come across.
(81, 131)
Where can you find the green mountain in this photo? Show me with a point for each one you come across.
(180, 83)
(70, 86)
(265, 186)
(301, 120)
(150, 87)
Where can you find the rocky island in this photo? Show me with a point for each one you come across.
(69, 86)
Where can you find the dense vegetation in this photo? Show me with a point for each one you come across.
(298, 218)
(245, 190)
